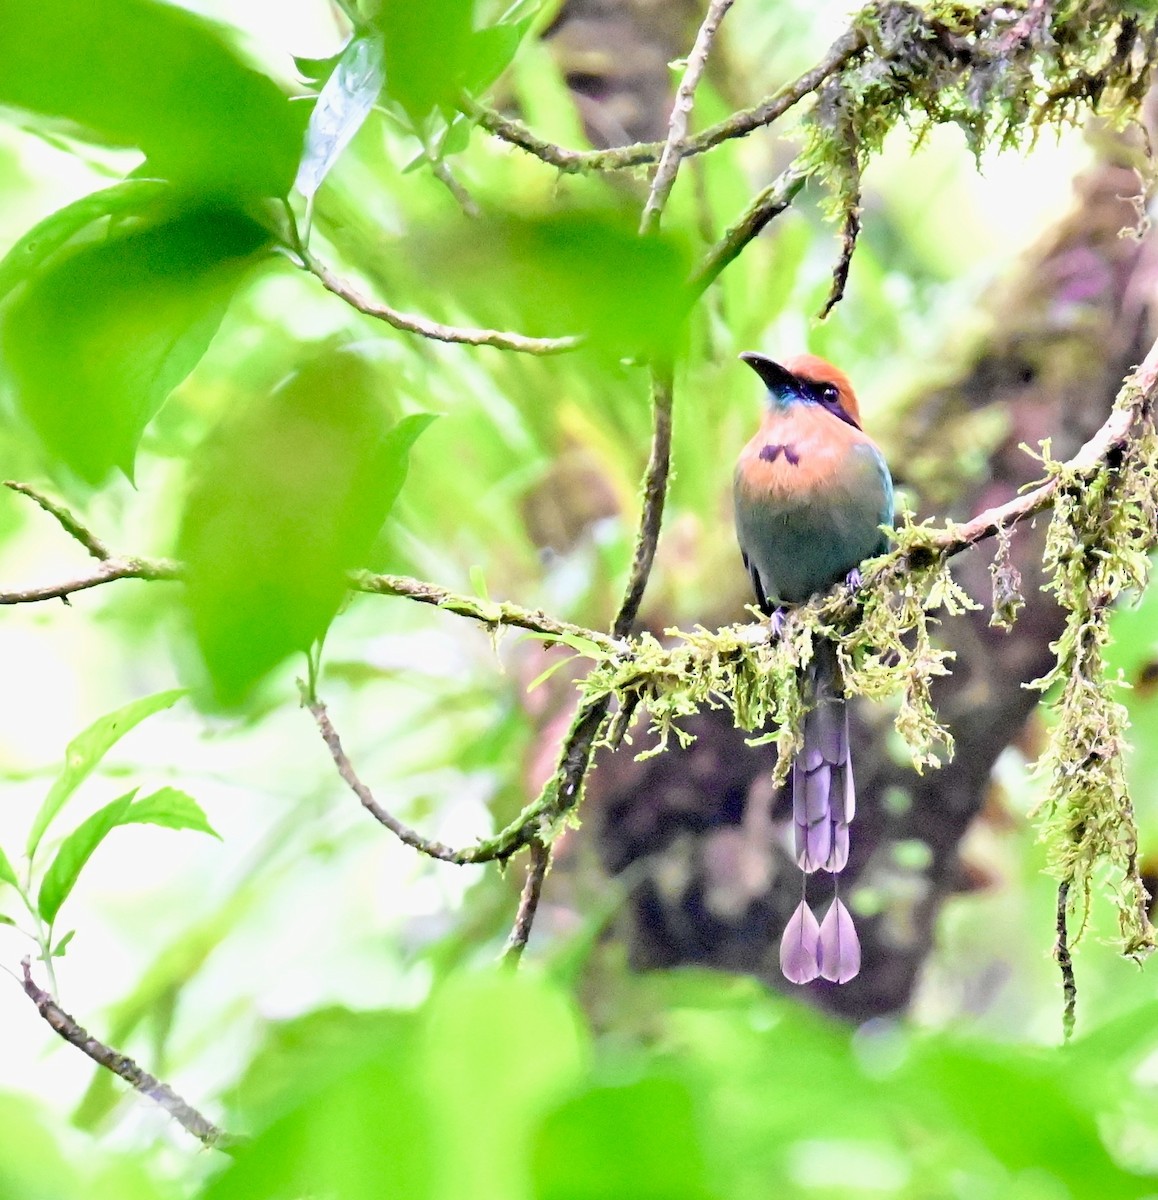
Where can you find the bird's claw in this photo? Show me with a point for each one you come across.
(776, 622)
(854, 579)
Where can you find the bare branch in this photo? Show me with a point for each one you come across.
(748, 120)
(849, 232)
(558, 795)
(1065, 962)
(66, 520)
(109, 571)
(669, 162)
(402, 831)
(770, 203)
(654, 496)
(540, 860)
(441, 171)
(125, 1068)
(617, 158)
(434, 330)
(517, 134)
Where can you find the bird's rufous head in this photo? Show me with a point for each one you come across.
(807, 377)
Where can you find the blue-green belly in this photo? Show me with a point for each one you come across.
(803, 545)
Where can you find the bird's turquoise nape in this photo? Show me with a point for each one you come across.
(811, 494)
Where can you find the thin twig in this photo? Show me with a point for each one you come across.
(109, 571)
(125, 1068)
(69, 523)
(770, 203)
(669, 160)
(1061, 952)
(491, 613)
(434, 330)
(557, 796)
(441, 171)
(402, 831)
(515, 133)
(767, 112)
(540, 860)
(850, 231)
(654, 495)
(617, 158)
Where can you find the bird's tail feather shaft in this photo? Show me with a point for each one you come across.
(823, 795)
(823, 806)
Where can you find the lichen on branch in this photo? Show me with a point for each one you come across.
(998, 72)
(1103, 529)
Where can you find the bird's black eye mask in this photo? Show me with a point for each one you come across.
(782, 383)
(827, 395)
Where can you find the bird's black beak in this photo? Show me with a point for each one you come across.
(776, 379)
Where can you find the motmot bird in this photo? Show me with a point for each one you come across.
(812, 493)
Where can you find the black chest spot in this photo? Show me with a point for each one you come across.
(770, 450)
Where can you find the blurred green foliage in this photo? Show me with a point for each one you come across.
(498, 1085)
(146, 74)
(98, 336)
(286, 499)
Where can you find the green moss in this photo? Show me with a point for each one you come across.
(994, 71)
(1103, 528)
(884, 639)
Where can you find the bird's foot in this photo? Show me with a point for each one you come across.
(854, 579)
(776, 622)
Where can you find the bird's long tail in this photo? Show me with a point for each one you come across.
(823, 806)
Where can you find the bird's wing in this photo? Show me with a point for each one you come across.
(877, 466)
(754, 576)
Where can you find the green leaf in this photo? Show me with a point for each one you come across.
(5, 919)
(641, 1141)
(151, 75)
(172, 809)
(343, 105)
(356, 1126)
(424, 72)
(32, 1166)
(488, 1102)
(490, 51)
(87, 749)
(478, 582)
(543, 676)
(61, 947)
(585, 272)
(585, 646)
(7, 874)
(74, 852)
(316, 71)
(457, 136)
(290, 498)
(96, 340)
(36, 247)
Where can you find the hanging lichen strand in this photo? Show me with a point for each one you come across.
(1001, 74)
(1103, 528)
